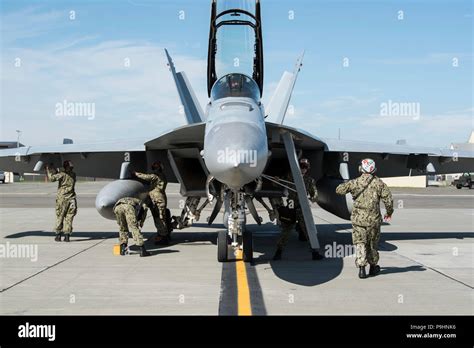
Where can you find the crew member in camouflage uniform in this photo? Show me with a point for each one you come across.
(367, 191)
(131, 214)
(291, 215)
(157, 182)
(66, 204)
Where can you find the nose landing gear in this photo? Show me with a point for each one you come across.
(236, 237)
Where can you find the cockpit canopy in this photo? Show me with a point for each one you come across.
(235, 85)
(235, 41)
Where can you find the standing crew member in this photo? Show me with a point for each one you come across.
(66, 204)
(291, 214)
(367, 190)
(131, 214)
(157, 182)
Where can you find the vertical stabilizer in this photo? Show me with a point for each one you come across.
(278, 105)
(192, 109)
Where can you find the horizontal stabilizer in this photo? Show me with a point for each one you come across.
(192, 109)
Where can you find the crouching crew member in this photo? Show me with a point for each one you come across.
(131, 214)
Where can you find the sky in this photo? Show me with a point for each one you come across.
(362, 58)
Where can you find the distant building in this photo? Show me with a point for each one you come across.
(9, 177)
(406, 181)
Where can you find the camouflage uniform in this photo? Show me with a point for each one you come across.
(126, 211)
(294, 203)
(287, 219)
(157, 194)
(366, 218)
(66, 204)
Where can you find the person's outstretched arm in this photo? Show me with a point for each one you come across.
(387, 200)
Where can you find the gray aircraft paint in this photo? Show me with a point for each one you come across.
(235, 124)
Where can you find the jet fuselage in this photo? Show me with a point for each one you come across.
(235, 143)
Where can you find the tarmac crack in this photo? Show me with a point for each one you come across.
(430, 268)
(51, 266)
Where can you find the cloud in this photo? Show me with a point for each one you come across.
(29, 22)
(446, 121)
(346, 102)
(127, 81)
(432, 58)
(455, 125)
(428, 130)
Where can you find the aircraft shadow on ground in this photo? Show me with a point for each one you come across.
(388, 270)
(216, 226)
(194, 237)
(87, 236)
(153, 249)
(177, 237)
(385, 237)
(297, 267)
(75, 237)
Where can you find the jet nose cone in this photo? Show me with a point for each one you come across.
(236, 176)
(236, 153)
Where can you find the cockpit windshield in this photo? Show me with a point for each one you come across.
(235, 85)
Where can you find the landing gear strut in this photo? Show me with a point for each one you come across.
(236, 237)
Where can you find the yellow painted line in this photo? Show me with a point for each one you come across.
(243, 292)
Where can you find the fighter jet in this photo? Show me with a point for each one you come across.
(231, 154)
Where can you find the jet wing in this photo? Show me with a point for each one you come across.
(189, 136)
(402, 160)
(392, 159)
(103, 160)
(107, 159)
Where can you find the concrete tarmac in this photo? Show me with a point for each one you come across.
(426, 255)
